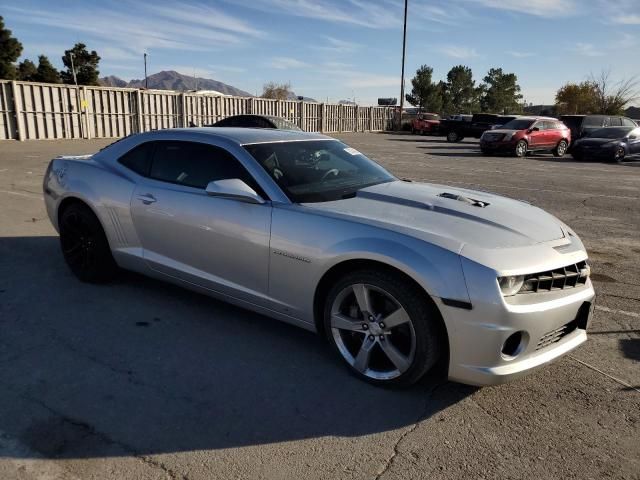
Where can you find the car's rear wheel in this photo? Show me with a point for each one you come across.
(84, 245)
(383, 326)
(521, 149)
(453, 137)
(561, 148)
(619, 154)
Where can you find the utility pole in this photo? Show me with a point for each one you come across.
(78, 100)
(146, 83)
(404, 48)
(73, 69)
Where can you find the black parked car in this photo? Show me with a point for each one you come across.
(502, 120)
(581, 125)
(256, 121)
(455, 130)
(609, 143)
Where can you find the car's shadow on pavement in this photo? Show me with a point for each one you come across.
(143, 367)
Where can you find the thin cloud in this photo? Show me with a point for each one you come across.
(539, 8)
(226, 68)
(354, 12)
(586, 49)
(128, 31)
(284, 63)
(518, 54)
(626, 19)
(456, 51)
(335, 45)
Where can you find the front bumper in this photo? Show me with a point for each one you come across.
(499, 146)
(551, 324)
(594, 153)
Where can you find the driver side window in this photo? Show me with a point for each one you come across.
(196, 164)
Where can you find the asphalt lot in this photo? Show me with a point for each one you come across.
(139, 379)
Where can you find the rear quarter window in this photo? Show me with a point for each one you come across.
(594, 121)
(138, 159)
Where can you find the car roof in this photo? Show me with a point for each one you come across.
(245, 136)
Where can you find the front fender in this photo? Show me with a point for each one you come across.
(436, 270)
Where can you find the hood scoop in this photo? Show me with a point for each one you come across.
(461, 198)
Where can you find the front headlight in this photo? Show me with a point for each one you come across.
(509, 136)
(510, 285)
(614, 143)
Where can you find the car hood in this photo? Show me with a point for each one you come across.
(449, 217)
(502, 130)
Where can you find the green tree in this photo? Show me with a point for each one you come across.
(425, 94)
(10, 50)
(461, 94)
(46, 73)
(501, 92)
(85, 64)
(277, 91)
(574, 98)
(27, 71)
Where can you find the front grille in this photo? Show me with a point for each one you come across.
(493, 137)
(570, 276)
(556, 335)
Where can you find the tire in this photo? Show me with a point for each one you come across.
(521, 149)
(453, 137)
(619, 155)
(363, 340)
(84, 245)
(561, 148)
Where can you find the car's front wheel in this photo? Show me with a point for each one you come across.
(521, 149)
(619, 154)
(383, 326)
(84, 245)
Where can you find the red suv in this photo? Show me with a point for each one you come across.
(426, 123)
(527, 134)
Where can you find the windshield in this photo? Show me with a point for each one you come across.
(611, 132)
(518, 124)
(318, 170)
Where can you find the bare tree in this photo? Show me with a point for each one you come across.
(612, 97)
(277, 91)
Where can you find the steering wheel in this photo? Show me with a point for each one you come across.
(334, 171)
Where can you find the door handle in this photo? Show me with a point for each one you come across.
(147, 198)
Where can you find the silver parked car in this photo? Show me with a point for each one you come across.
(300, 227)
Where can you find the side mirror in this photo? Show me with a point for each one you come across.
(632, 137)
(534, 129)
(234, 189)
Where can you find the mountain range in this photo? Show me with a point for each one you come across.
(172, 80)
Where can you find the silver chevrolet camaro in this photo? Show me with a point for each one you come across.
(298, 226)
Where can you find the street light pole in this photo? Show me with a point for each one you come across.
(404, 48)
(146, 84)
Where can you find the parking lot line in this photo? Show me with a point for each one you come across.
(621, 312)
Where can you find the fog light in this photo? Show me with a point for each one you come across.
(515, 344)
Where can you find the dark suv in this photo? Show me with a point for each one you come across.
(581, 125)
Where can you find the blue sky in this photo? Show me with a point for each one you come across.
(339, 49)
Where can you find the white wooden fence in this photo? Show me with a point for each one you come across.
(39, 111)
